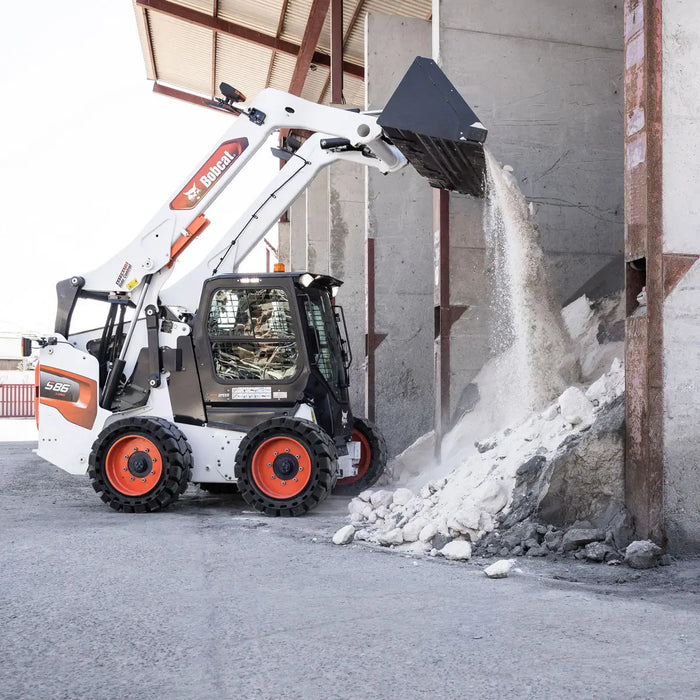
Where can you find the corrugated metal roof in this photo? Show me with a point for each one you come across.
(179, 52)
(261, 15)
(231, 69)
(182, 53)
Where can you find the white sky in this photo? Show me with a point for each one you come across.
(88, 152)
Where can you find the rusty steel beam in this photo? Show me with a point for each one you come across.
(644, 266)
(168, 91)
(214, 12)
(446, 315)
(336, 74)
(314, 24)
(353, 21)
(223, 26)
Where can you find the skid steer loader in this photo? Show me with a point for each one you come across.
(225, 378)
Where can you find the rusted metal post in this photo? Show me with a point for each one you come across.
(337, 51)
(441, 228)
(644, 267)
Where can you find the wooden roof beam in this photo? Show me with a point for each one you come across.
(217, 24)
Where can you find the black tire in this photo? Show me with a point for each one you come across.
(374, 457)
(285, 456)
(119, 464)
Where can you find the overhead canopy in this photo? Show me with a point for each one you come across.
(190, 46)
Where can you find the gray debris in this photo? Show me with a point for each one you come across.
(485, 445)
(500, 568)
(345, 535)
(440, 540)
(597, 551)
(553, 540)
(642, 554)
(575, 407)
(457, 550)
(381, 498)
(519, 533)
(390, 537)
(578, 537)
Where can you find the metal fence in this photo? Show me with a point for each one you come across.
(17, 400)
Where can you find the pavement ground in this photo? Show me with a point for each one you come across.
(211, 600)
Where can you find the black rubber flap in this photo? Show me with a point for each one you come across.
(436, 130)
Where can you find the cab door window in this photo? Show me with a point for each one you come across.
(251, 333)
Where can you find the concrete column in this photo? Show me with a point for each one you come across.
(347, 263)
(283, 241)
(680, 349)
(297, 234)
(318, 225)
(400, 225)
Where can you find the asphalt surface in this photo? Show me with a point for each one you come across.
(210, 600)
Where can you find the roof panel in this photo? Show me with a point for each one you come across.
(295, 20)
(201, 5)
(241, 64)
(182, 53)
(354, 91)
(282, 71)
(314, 83)
(262, 15)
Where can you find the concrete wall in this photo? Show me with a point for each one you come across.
(545, 77)
(681, 246)
(400, 222)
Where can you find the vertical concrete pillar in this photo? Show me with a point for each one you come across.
(680, 56)
(399, 225)
(283, 241)
(318, 225)
(297, 234)
(346, 187)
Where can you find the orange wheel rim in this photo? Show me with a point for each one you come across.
(365, 458)
(281, 467)
(133, 465)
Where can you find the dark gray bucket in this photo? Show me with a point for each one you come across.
(436, 130)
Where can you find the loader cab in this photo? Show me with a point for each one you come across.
(266, 343)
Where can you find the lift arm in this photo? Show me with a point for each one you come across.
(425, 122)
(163, 238)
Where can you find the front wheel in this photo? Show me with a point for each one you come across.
(372, 459)
(140, 464)
(285, 466)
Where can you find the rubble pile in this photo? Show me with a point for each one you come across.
(550, 485)
(534, 466)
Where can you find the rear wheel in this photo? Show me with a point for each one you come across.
(140, 464)
(285, 466)
(372, 459)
